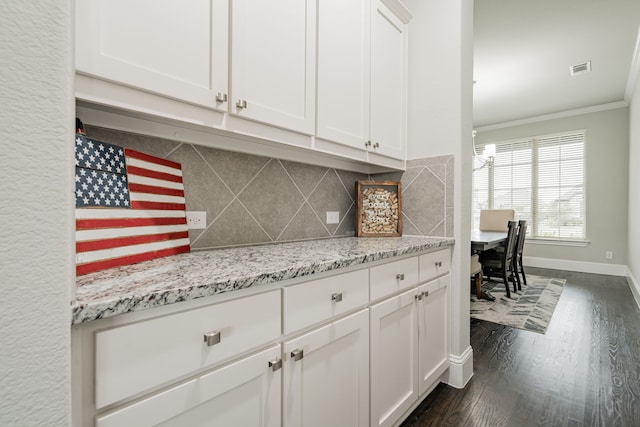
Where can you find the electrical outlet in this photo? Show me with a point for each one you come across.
(333, 217)
(608, 255)
(196, 220)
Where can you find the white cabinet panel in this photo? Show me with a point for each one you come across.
(273, 62)
(434, 264)
(343, 71)
(392, 277)
(166, 47)
(133, 358)
(329, 384)
(319, 300)
(433, 326)
(394, 358)
(388, 82)
(245, 393)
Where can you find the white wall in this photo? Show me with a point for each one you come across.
(607, 134)
(633, 255)
(440, 114)
(36, 133)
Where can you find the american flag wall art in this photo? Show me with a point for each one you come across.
(130, 206)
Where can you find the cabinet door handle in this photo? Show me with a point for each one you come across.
(212, 338)
(275, 364)
(438, 263)
(425, 294)
(221, 97)
(336, 297)
(400, 276)
(418, 297)
(376, 145)
(242, 103)
(367, 144)
(297, 354)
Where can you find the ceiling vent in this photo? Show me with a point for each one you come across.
(583, 68)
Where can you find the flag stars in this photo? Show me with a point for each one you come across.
(100, 174)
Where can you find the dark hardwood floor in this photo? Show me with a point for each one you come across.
(585, 371)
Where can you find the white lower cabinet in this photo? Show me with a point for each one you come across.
(433, 331)
(326, 375)
(311, 353)
(244, 393)
(394, 358)
(409, 348)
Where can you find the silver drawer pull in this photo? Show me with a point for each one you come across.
(438, 263)
(336, 297)
(221, 97)
(275, 364)
(297, 354)
(400, 276)
(418, 297)
(212, 338)
(242, 103)
(425, 294)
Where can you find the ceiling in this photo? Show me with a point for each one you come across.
(523, 50)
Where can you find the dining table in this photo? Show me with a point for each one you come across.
(481, 241)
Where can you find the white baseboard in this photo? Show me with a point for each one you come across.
(581, 266)
(634, 285)
(460, 368)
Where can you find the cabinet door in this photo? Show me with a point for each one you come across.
(244, 393)
(343, 71)
(388, 82)
(328, 384)
(167, 47)
(394, 358)
(273, 62)
(433, 325)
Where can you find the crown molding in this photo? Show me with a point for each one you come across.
(552, 116)
(634, 71)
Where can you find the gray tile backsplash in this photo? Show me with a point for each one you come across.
(251, 199)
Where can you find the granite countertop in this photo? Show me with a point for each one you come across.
(199, 274)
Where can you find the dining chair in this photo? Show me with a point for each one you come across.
(495, 219)
(518, 267)
(475, 270)
(501, 263)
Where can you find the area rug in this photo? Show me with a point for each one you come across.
(530, 308)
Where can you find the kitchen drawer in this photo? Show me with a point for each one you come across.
(318, 300)
(133, 358)
(244, 393)
(435, 264)
(394, 276)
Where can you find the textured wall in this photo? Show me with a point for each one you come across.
(36, 133)
(252, 199)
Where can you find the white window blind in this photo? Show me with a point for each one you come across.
(542, 179)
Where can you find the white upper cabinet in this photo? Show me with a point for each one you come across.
(388, 78)
(273, 62)
(327, 76)
(343, 71)
(362, 57)
(165, 47)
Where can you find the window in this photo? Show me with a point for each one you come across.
(542, 179)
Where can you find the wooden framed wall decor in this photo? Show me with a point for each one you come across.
(378, 209)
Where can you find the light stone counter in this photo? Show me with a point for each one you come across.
(204, 273)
